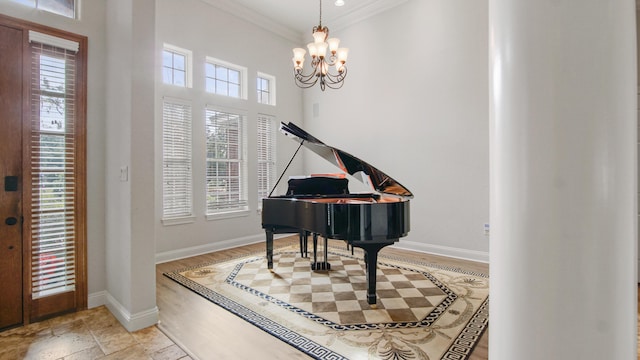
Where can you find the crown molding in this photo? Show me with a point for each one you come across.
(364, 12)
(235, 9)
(354, 16)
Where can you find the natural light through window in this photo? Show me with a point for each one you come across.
(266, 89)
(61, 7)
(266, 155)
(222, 78)
(53, 170)
(176, 66)
(226, 175)
(177, 185)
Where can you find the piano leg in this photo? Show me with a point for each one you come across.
(304, 236)
(315, 250)
(317, 265)
(371, 262)
(269, 234)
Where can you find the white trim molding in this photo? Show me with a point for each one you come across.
(211, 247)
(97, 299)
(458, 253)
(132, 322)
(254, 17)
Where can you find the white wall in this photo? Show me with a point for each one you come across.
(91, 24)
(130, 237)
(207, 30)
(422, 118)
(415, 105)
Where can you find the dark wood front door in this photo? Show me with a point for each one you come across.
(11, 276)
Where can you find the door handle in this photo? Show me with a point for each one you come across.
(11, 221)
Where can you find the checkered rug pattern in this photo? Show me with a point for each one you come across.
(423, 311)
(338, 295)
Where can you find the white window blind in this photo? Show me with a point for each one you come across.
(57, 42)
(54, 192)
(177, 181)
(226, 175)
(266, 155)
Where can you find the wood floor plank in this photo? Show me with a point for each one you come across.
(210, 332)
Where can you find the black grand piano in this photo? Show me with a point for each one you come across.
(323, 206)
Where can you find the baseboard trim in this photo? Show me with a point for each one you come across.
(211, 247)
(464, 254)
(132, 322)
(97, 299)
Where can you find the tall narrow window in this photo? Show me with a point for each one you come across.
(266, 89)
(226, 178)
(176, 66)
(57, 195)
(266, 156)
(177, 185)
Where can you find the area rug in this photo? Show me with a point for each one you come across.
(423, 311)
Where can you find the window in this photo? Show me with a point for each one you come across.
(225, 79)
(56, 193)
(177, 184)
(266, 89)
(61, 7)
(176, 66)
(52, 179)
(266, 156)
(226, 174)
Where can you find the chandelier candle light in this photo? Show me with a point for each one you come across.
(322, 70)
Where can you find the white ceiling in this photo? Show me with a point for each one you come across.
(296, 18)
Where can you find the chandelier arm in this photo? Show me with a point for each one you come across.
(305, 78)
(332, 83)
(305, 85)
(335, 78)
(304, 81)
(332, 60)
(335, 86)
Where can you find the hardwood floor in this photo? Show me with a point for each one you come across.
(196, 326)
(206, 331)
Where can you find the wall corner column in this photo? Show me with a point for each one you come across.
(563, 203)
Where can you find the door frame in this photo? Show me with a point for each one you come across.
(32, 311)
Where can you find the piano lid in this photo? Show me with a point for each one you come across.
(348, 163)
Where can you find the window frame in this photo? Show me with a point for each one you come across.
(187, 216)
(230, 66)
(271, 88)
(48, 305)
(242, 207)
(270, 158)
(35, 4)
(188, 64)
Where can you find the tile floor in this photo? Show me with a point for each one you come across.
(88, 334)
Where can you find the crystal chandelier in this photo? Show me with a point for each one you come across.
(322, 67)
